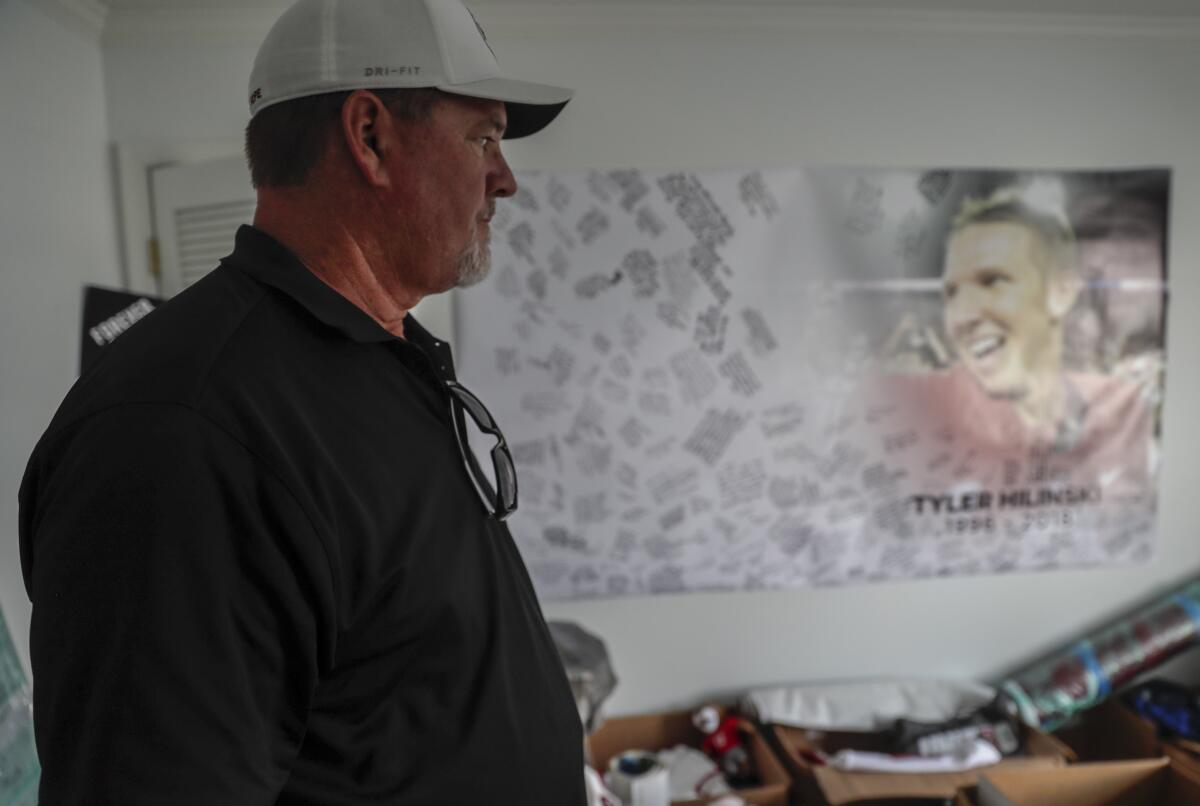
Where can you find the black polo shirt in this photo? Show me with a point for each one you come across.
(260, 572)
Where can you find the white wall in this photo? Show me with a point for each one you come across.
(56, 234)
(722, 85)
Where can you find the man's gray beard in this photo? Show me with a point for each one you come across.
(474, 263)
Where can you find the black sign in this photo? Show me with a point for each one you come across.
(107, 314)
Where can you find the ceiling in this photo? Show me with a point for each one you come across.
(1099, 8)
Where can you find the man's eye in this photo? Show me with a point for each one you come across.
(991, 279)
(948, 291)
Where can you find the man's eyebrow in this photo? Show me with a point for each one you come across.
(497, 125)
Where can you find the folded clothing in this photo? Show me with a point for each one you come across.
(867, 706)
(980, 753)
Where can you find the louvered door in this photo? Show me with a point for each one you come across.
(197, 209)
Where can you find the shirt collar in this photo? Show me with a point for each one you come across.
(272, 263)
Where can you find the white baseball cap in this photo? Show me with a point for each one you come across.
(321, 46)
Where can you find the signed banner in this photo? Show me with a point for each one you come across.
(721, 380)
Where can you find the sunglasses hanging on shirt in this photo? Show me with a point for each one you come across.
(500, 497)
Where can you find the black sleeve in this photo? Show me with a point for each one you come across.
(182, 610)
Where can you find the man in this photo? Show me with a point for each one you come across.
(253, 538)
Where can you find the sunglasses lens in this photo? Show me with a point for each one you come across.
(474, 407)
(506, 478)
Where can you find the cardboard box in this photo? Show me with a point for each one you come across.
(1148, 782)
(824, 785)
(1185, 755)
(1183, 752)
(660, 731)
(1111, 732)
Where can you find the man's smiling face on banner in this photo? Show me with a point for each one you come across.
(997, 309)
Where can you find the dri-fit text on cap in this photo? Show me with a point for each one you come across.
(407, 70)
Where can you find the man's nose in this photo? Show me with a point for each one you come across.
(501, 182)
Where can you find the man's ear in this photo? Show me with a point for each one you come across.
(1062, 289)
(367, 132)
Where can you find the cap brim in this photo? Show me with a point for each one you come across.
(530, 107)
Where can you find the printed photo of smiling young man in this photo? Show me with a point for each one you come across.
(1010, 278)
(1013, 404)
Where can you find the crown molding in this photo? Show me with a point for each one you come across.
(86, 16)
(522, 19)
